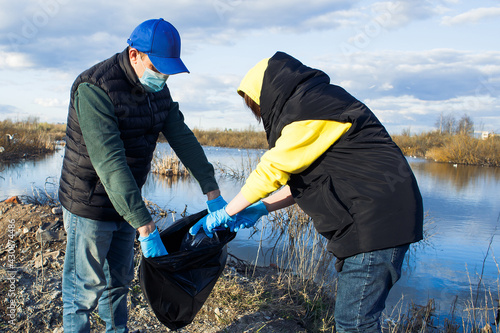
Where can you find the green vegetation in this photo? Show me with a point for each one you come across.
(28, 138)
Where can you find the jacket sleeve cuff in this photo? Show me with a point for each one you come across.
(139, 218)
(209, 186)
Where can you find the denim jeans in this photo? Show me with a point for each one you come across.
(98, 269)
(363, 286)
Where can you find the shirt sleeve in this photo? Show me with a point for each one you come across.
(188, 149)
(299, 145)
(100, 131)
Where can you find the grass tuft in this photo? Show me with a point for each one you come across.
(168, 165)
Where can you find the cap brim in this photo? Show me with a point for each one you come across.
(168, 66)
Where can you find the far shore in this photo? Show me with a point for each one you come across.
(30, 138)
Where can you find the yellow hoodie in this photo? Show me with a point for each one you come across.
(299, 145)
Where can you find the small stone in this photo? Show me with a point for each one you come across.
(218, 312)
(57, 210)
(56, 294)
(49, 256)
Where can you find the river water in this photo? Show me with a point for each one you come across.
(456, 264)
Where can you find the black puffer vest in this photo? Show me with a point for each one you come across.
(141, 117)
(361, 193)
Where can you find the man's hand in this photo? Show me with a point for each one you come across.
(150, 239)
(146, 229)
(216, 204)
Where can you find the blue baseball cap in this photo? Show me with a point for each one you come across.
(161, 42)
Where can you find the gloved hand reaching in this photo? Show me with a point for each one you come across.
(249, 216)
(211, 221)
(216, 204)
(152, 246)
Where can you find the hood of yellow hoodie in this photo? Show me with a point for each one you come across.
(252, 82)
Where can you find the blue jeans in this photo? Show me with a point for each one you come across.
(98, 269)
(363, 286)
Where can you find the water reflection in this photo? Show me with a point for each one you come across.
(22, 177)
(458, 177)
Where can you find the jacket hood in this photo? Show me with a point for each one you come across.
(287, 78)
(252, 82)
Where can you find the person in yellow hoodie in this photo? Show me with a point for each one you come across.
(331, 155)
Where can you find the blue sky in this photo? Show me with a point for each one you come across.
(410, 61)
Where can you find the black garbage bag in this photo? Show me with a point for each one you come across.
(177, 285)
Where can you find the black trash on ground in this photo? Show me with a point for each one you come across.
(177, 285)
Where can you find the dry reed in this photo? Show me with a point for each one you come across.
(457, 148)
(462, 149)
(304, 265)
(247, 139)
(168, 165)
(28, 138)
(241, 171)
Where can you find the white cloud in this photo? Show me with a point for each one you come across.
(51, 102)
(41, 29)
(472, 16)
(401, 112)
(211, 101)
(438, 74)
(14, 60)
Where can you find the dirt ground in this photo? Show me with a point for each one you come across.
(32, 248)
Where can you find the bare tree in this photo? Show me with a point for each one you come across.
(446, 123)
(465, 125)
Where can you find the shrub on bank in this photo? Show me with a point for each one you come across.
(28, 138)
(247, 139)
(451, 148)
(462, 149)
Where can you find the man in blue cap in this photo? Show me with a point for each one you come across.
(117, 110)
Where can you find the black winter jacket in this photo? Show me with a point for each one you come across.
(361, 193)
(141, 117)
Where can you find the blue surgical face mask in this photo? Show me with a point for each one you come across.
(151, 80)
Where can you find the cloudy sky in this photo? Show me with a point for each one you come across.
(410, 61)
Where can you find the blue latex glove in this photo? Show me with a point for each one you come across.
(211, 221)
(216, 204)
(249, 216)
(152, 246)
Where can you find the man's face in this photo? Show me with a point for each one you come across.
(139, 64)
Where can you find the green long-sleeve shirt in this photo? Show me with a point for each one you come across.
(99, 127)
